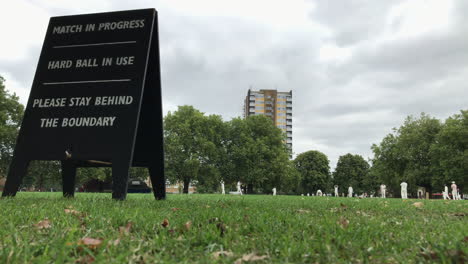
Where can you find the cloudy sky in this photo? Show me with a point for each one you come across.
(357, 68)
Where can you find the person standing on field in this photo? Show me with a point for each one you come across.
(445, 193)
(404, 190)
(336, 191)
(383, 189)
(222, 188)
(350, 191)
(239, 190)
(454, 191)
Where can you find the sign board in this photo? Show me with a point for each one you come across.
(96, 100)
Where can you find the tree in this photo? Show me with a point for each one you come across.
(43, 175)
(405, 154)
(352, 170)
(257, 155)
(11, 114)
(191, 144)
(449, 153)
(314, 168)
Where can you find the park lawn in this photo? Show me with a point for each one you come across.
(203, 228)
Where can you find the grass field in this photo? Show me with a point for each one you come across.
(46, 228)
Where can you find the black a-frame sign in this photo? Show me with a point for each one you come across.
(96, 100)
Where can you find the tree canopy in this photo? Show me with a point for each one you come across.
(449, 152)
(258, 155)
(424, 152)
(191, 142)
(352, 170)
(314, 169)
(11, 113)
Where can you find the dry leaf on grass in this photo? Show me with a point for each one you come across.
(459, 214)
(362, 213)
(125, 230)
(72, 211)
(418, 204)
(188, 225)
(91, 243)
(303, 211)
(222, 253)
(343, 222)
(221, 227)
(175, 209)
(85, 259)
(114, 242)
(165, 223)
(457, 256)
(429, 255)
(214, 219)
(44, 224)
(343, 206)
(250, 257)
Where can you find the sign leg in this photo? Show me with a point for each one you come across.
(17, 171)
(158, 181)
(120, 170)
(68, 178)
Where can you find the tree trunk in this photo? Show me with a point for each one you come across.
(186, 186)
(40, 182)
(249, 188)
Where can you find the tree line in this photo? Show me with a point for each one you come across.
(204, 150)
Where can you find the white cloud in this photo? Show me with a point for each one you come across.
(331, 52)
(22, 25)
(411, 19)
(357, 68)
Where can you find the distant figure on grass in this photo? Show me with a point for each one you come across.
(308, 194)
(274, 191)
(222, 188)
(445, 193)
(350, 191)
(383, 189)
(454, 191)
(404, 190)
(239, 190)
(336, 191)
(319, 193)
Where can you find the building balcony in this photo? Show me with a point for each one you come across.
(288, 123)
(288, 111)
(288, 105)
